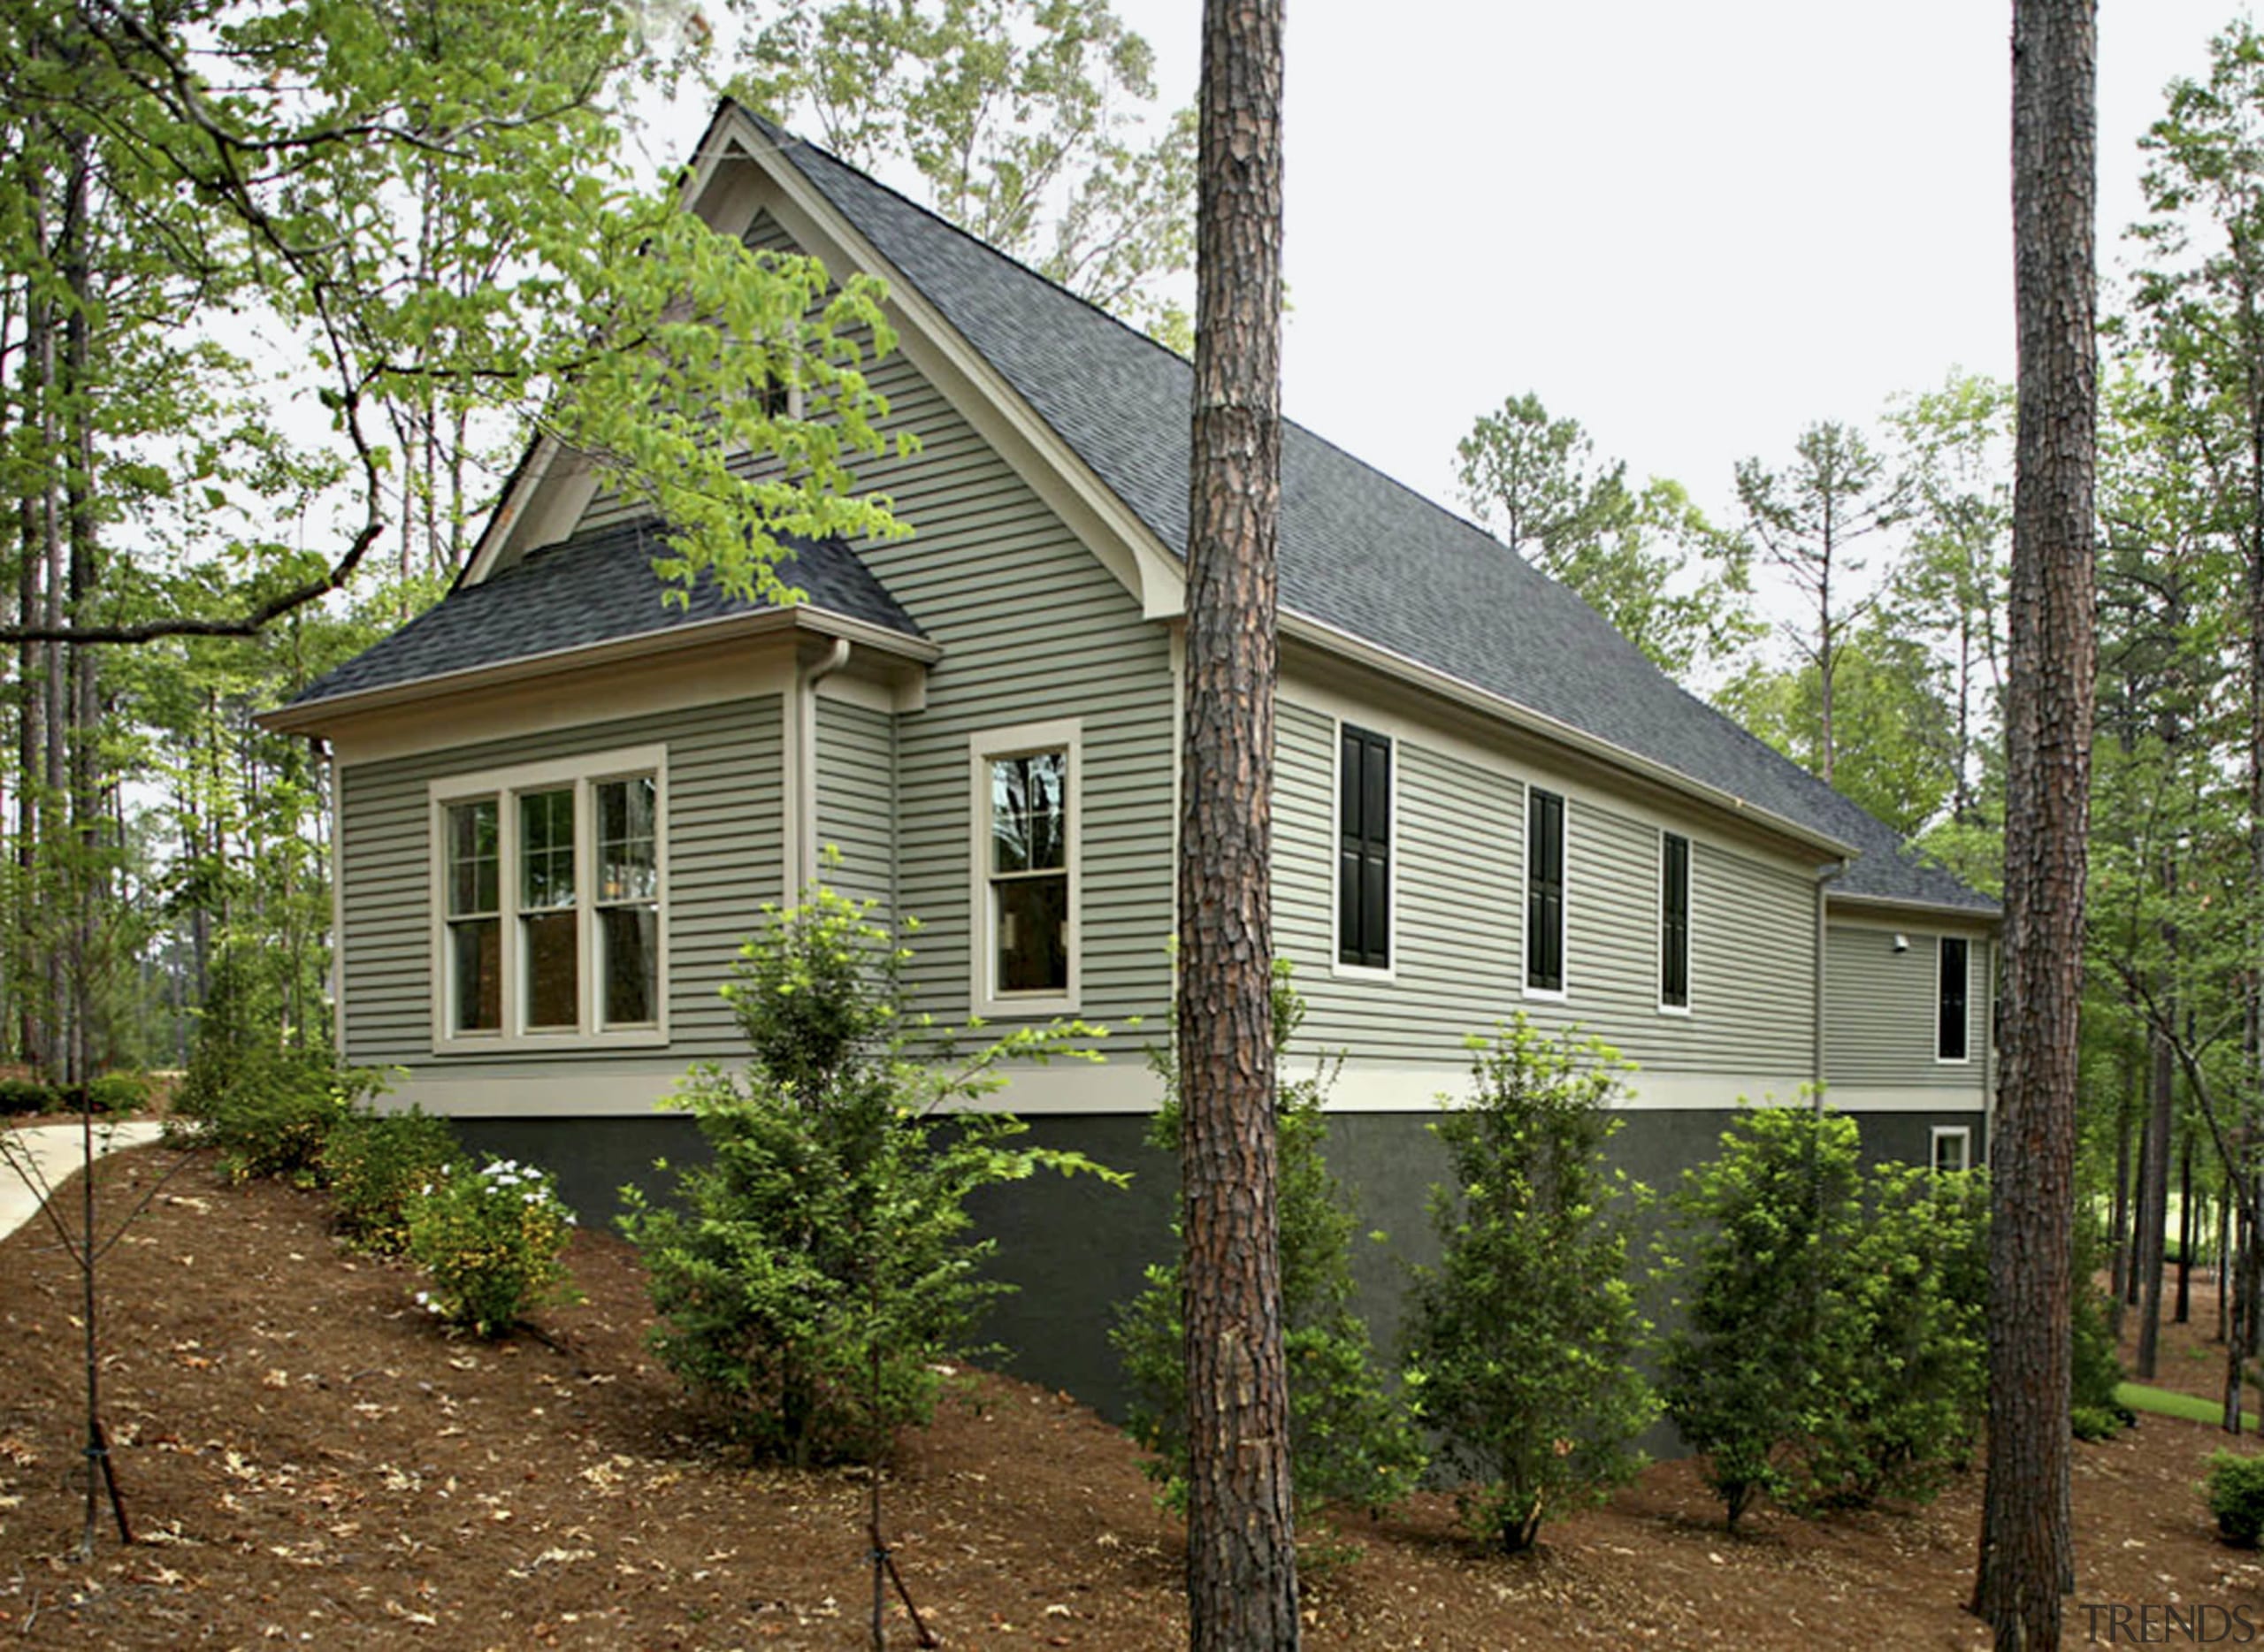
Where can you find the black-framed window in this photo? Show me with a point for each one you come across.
(1674, 922)
(1544, 890)
(1364, 850)
(1953, 984)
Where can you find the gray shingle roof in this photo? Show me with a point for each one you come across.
(594, 587)
(1359, 550)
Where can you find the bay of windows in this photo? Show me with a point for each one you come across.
(551, 920)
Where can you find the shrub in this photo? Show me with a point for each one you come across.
(377, 1163)
(26, 1095)
(2095, 1413)
(119, 1092)
(1764, 1231)
(490, 1239)
(1909, 1355)
(1521, 1343)
(2236, 1492)
(277, 1112)
(814, 1276)
(1349, 1440)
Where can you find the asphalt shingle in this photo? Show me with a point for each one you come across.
(1359, 550)
(594, 587)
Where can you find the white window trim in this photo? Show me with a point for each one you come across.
(1337, 967)
(583, 773)
(1546, 995)
(1689, 925)
(1016, 739)
(1941, 948)
(1945, 1132)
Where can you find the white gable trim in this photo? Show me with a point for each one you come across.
(740, 171)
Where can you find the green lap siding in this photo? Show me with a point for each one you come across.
(1459, 913)
(856, 800)
(1881, 1009)
(725, 847)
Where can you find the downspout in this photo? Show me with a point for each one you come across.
(802, 855)
(1823, 875)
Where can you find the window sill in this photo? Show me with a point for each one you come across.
(1549, 995)
(1682, 1010)
(477, 1044)
(1364, 972)
(1021, 1006)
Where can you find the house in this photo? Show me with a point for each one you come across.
(560, 804)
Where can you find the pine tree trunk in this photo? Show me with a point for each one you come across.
(1241, 1556)
(2026, 1562)
(2153, 1207)
(2186, 1230)
(2120, 1272)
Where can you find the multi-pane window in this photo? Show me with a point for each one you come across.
(628, 900)
(475, 923)
(1952, 981)
(550, 900)
(549, 939)
(1544, 891)
(1030, 872)
(1674, 922)
(1364, 850)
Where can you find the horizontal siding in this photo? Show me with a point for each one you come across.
(725, 859)
(856, 800)
(1457, 918)
(1881, 1004)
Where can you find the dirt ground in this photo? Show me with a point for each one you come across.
(308, 1460)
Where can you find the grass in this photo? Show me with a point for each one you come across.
(2162, 1402)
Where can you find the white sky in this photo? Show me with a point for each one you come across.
(1695, 228)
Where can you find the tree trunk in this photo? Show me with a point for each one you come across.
(2136, 1250)
(2026, 1562)
(2187, 1228)
(2224, 1258)
(1241, 1580)
(2154, 1205)
(2120, 1273)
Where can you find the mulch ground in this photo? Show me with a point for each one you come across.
(308, 1460)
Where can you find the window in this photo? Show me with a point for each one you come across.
(1544, 892)
(1364, 850)
(550, 903)
(1674, 922)
(1952, 972)
(1026, 785)
(1953, 1148)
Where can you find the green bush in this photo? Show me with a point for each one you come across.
(26, 1095)
(1765, 1234)
(377, 1163)
(278, 1114)
(1909, 1355)
(2095, 1412)
(2236, 1492)
(1349, 1440)
(1835, 1347)
(490, 1239)
(830, 1230)
(119, 1092)
(1521, 1343)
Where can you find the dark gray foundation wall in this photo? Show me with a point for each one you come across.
(1076, 1248)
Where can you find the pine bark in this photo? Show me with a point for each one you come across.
(1241, 1555)
(2154, 1204)
(2026, 1562)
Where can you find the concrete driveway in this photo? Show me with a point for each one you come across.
(44, 1156)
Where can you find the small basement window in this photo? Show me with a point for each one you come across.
(1953, 1148)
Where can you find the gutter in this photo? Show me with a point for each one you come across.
(312, 716)
(802, 855)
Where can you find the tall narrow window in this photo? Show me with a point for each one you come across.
(475, 922)
(628, 898)
(1674, 922)
(549, 942)
(1364, 850)
(1030, 872)
(1952, 981)
(1544, 891)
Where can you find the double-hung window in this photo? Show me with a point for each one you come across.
(1027, 785)
(1674, 922)
(1364, 850)
(1544, 894)
(1952, 984)
(549, 894)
